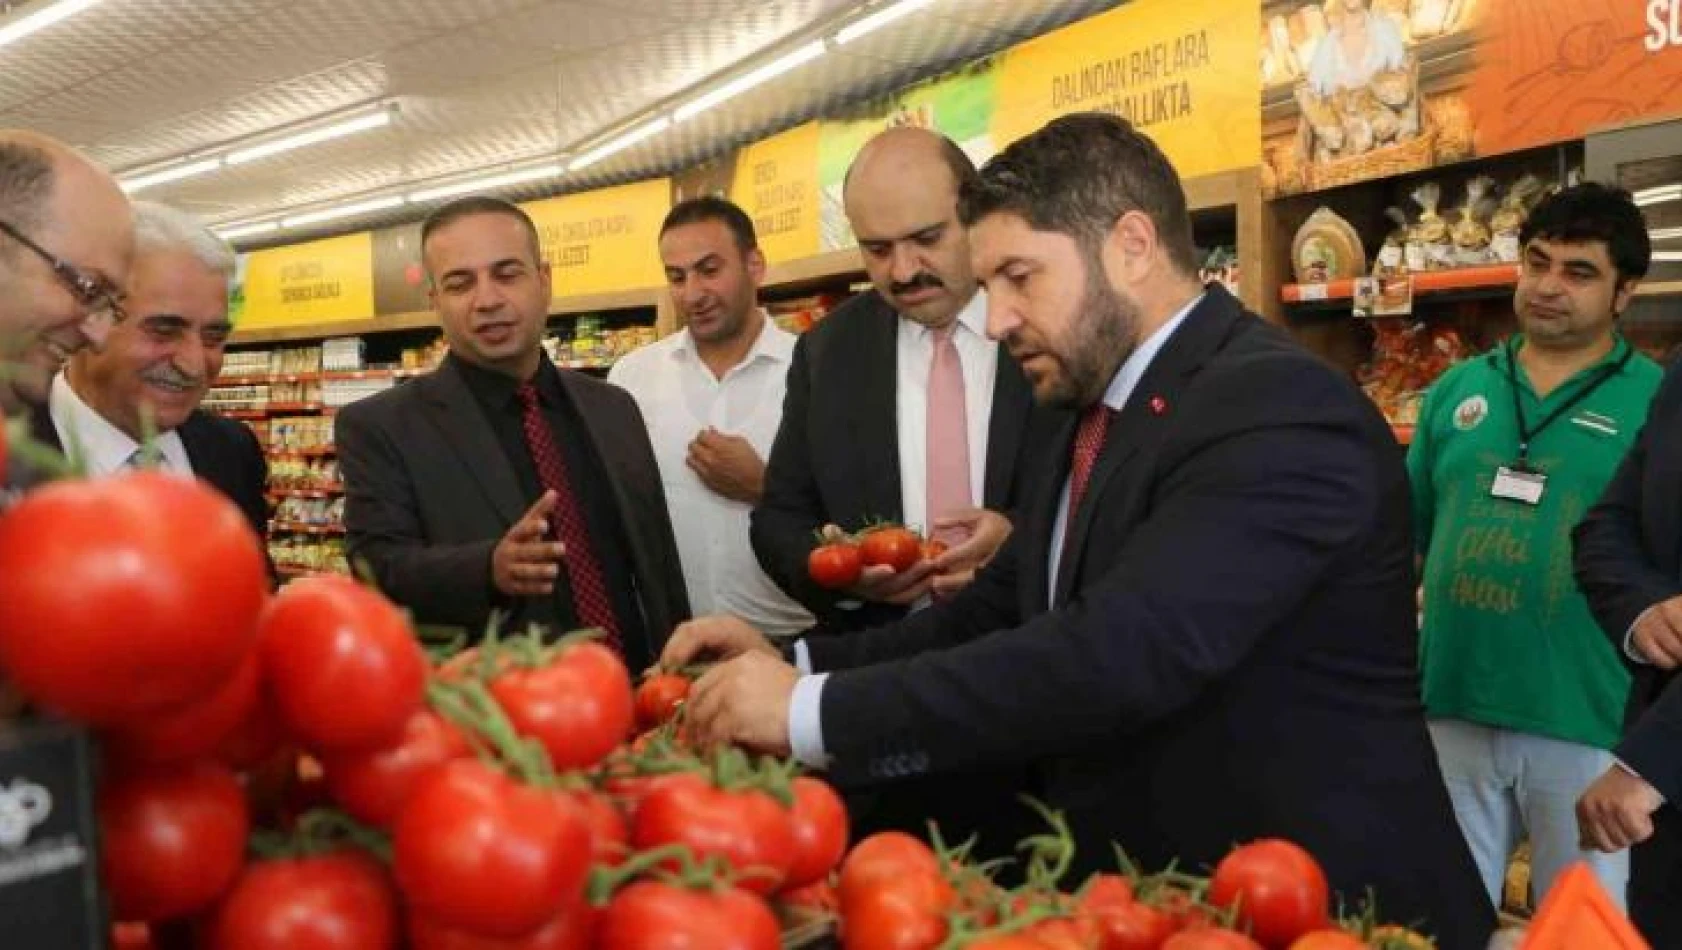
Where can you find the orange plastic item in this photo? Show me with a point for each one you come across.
(1578, 915)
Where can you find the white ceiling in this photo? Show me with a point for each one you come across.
(478, 84)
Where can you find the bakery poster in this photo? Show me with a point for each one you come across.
(1354, 90)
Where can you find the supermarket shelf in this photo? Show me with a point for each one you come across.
(343, 375)
(262, 379)
(326, 491)
(282, 407)
(238, 413)
(294, 527)
(292, 572)
(324, 451)
(1424, 283)
(427, 320)
(585, 364)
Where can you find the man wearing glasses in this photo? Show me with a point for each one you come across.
(66, 239)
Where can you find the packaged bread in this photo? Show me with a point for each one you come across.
(1429, 18)
(1392, 255)
(1471, 230)
(1279, 41)
(1429, 244)
(1326, 248)
(1508, 219)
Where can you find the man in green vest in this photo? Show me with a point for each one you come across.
(1525, 694)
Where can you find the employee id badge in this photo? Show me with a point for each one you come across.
(1519, 483)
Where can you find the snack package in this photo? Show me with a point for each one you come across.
(1392, 256)
(1471, 228)
(1508, 219)
(1429, 246)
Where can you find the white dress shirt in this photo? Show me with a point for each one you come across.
(980, 359)
(805, 712)
(679, 397)
(103, 448)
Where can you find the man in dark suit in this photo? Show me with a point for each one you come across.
(499, 481)
(161, 359)
(898, 407)
(1629, 564)
(1203, 631)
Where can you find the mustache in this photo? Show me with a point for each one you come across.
(920, 281)
(170, 376)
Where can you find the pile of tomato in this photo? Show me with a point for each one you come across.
(840, 558)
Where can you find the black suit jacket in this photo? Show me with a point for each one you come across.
(836, 456)
(1628, 558)
(223, 452)
(428, 494)
(1232, 654)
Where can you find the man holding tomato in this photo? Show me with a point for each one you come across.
(1202, 631)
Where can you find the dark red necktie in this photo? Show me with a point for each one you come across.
(1089, 440)
(590, 600)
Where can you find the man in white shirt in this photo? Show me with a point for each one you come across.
(712, 395)
(159, 362)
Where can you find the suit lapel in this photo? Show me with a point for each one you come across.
(1012, 401)
(1040, 518)
(456, 412)
(201, 455)
(42, 430)
(1145, 419)
(874, 438)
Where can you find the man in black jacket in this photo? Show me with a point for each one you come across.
(1629, 563)
(1202, 633)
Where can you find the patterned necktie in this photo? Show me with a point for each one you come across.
(948, 486)
(590, 599)
(1089, 441)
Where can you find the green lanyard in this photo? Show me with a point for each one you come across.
(1527, 435)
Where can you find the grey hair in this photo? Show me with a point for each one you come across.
(159, 227)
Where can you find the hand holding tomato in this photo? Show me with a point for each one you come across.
(720, 637)
(744, 702)
(978, 534)
(658, 698)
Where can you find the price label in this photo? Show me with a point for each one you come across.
(1312, 292)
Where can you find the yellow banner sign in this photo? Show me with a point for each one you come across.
(776, 183)
(318, 282)
(604, 241)
(1183, 73)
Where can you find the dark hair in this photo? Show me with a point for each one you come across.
(26, 183)
(476, 205)
(954, 158)
(1077, 176)
(713, 208)
(1592, 212)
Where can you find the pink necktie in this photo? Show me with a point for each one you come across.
(948, 430)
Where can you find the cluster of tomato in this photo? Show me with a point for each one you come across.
(896, 892)
(839, 559)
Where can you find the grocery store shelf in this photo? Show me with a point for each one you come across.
(323, 451)
(1424, 283)
(294, 527)
(427, 320)
(354, 374)
(238, 413)
(325, 491)
(275, 407)
(1662, 288)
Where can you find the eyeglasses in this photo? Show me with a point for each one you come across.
(103, 302)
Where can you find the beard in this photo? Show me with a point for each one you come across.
(1104, 333)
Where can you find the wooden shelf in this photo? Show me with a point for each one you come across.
(1425, 282)
(295, 527)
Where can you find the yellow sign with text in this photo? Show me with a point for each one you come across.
(318, 282)
(604, 241)
(777, 185)
(1182, 73)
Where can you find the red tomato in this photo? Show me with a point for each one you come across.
(345, 670)
(819, 821)
(897, 548)
(257, 739)
(835, 566)
(1016, 941)
(1104, 891)
(123, 936)
(1186, 910)
(819, 897)
(1210, 938)
(658, 699)
(124, 597)
(610, 839)
(1133, 926)
(475, 850)
(172, 840)
(373, 786)
(572, 930)
(650, 915)
(907, 914)
(578, 706)
(194, 731)
(885, 857)
(1329, 939)
(932, 549)
(749, 829)
(1066, 933)
(336, 901)
(1279, 890)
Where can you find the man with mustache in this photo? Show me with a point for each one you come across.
(159, 362)
(1202, 631)
(712, 395)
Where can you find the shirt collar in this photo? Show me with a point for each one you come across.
(1133, 368)
(973, 317)
(105, 448)
(773, 343)
(497, 390)
(1503, 356)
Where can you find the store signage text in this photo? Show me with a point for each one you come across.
(1664, 25)
(1139, 85)
(776, 203)
(304, 281)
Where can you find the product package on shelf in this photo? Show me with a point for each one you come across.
(338, 393)
(301, 434)
(342, 355)
(1407, 357)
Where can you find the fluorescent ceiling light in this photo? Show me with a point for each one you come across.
(315, 136)
(42, 18)
(877, 20)
(620, 144)
(342, 211)
(1665, 234)
(1668, 256)
(174, 173)
(246, 230)
(1659, 195)
(746, 81)
(488, 184)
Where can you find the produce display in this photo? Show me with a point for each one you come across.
(1407, 357)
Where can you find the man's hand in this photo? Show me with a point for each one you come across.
(1617, 811)
(743, 702)
(1657, 636)
(984, 532)
(883, 585)
(523, 564)
(728, 465)
(723, 637)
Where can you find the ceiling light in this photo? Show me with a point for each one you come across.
(746, 81)
(42, 18)
(620, 144)
(1667, 256)
(877, 20)
(246, 230)
(488, 184)
(174, 173)
(1659, 195)
(1665, 234)
(342, 211)
(324, 134)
